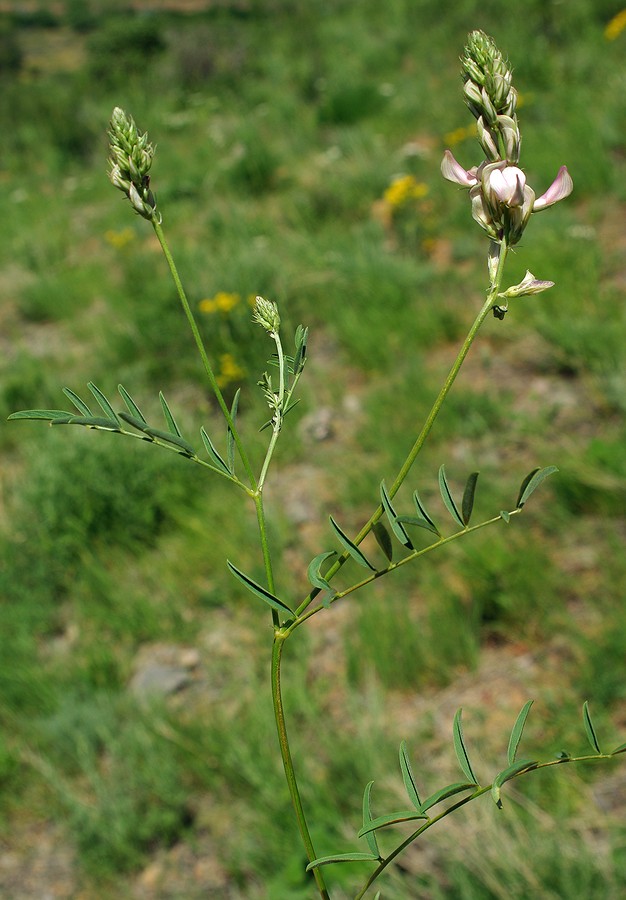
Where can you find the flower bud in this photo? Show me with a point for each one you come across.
(130, 162)
(528, 286)
(266, 315)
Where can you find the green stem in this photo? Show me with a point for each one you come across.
(202, 351)
(278, 414)
(279, 713)
(265, 549)
(428, 424)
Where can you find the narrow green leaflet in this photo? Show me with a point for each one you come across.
(516, 733)
(130, 404)
(620, 749)
(467, 504)
(505, 516)
(370, 837)
(299, 359)
(351, 548)
(396, 526)
(89, 422)
(214, 456)
(589, 729)
(341, 858)
(259, 591)
(506, 775)
(314, 574)
(403, 815)
(447, 498)
(169, 438)
(169, 418)
(532, 482)
(449, 791)
(383, 539)
(48, 415)
(230, 437)
(80, 405)
(422, 514)
(103, 403)
(460, 749)
(408, 779)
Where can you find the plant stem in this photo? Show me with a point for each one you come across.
(279, 714)
(430, 420)
(202, 351)
(265, 549)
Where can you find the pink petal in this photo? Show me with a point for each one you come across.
(560, 188)
(454, 171)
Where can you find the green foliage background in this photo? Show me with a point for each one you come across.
(280, 125)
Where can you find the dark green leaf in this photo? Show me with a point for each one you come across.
(139, 424)
(351, 548)
(130, 403)
(447, 498)
(89, 422)
(170, 421)
(467, 504)
(532, 482)
(420, 522)
(403, 815)
(340, 858)
(259, 591)
(103, 403)
(506, 775)
(590, 730)
(46, 414)
(170, 438)
(80, 405)
(230, 438)
(516, 733)
(449, 791)
(314, 574)
(383, 539)
(372, 842)
(407, 777)
(396, 527)
(421, 510)
(460, 749)
(214, 456)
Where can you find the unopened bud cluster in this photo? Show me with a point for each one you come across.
(266, 315)
(130, 162)
(502, 201)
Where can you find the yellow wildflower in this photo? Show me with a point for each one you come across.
(615, 27)
(229, 371)
(119, 239)
(458, 135)
(403, 189)
(222, 302)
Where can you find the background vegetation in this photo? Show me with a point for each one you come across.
(298, 158)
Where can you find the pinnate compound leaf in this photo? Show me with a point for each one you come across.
(230, 437)
(460, 749)
(341, 858)
(48, 415)
(214, 456)
(260, 591)
(80, 404)
(403, 815)
(370, 837)
(408, 779)
(467, 504)
(169, 418)
(532, 482)
(351, 548)
(130, 404)
(589, 729)
(313, 572)
(510, 772)
(396, 526)
(449, 791)
(447, 498)
(383, 539)
(103, 403)
(517, 731)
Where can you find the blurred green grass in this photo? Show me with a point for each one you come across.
(280, 126)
